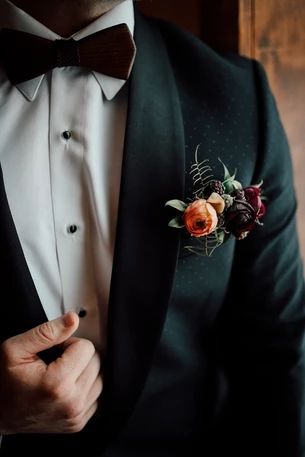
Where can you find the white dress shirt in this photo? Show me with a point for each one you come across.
(61, 146)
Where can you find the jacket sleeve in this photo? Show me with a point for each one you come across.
(262, 326)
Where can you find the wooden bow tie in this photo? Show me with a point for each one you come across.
(24, 56)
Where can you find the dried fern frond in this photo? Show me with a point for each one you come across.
(206, 245)
(201, 174)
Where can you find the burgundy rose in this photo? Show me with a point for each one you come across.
(245, 211)
(253, 196)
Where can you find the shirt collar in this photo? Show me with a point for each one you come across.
(15, 18)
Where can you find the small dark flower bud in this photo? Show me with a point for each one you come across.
(213, 186)
(239, 194)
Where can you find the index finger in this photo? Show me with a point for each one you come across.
(77, 354)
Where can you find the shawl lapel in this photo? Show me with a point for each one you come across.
(146, 248)
(20, 305)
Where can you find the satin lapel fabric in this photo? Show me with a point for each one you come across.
(146, 248)
(21, 308)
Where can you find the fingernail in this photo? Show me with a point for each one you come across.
(68, 319)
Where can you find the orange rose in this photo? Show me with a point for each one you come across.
(200, 218)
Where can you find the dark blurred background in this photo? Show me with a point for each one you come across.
(271, 31)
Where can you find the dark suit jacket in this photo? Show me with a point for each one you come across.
(202, 351)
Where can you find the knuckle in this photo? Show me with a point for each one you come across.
(78, 423)
(73, 409)
(76, 426)
(55, 390)
(44, 332)
(86, 346)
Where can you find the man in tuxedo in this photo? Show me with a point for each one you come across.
(116, 340)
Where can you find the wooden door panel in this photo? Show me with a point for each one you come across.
(279, 27)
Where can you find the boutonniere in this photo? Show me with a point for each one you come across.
(219, 209)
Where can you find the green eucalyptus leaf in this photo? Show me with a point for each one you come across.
(220, 235)
(176, 222)
(228, 185)
(227, 174)
(236, 185)
(177, 204)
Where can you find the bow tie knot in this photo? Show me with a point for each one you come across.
(66, 53)
(25, 56)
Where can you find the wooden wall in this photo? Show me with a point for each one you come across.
(272, 31)
(279, 32)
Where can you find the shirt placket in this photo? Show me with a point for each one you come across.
(70, 205)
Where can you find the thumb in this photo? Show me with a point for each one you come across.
(44, 336)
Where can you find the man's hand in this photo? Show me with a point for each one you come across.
(56, 398)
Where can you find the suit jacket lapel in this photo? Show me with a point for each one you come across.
(21, 308)
(146, 248)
